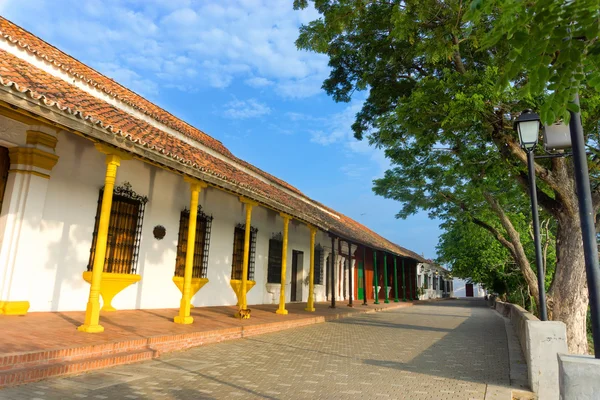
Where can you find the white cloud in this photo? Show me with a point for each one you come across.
(251, 41)
(337, 129)
(258, 82)
(243, 109)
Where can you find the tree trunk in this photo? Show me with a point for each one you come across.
(568, 296)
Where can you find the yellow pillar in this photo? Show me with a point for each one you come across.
(92, 311)
(186, 297)
(249, 205)
(310, 305)
(286, 223)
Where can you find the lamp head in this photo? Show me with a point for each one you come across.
(528, 128)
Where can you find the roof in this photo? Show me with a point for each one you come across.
(122, 113)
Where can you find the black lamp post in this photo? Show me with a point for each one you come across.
(586, 216)
(528, 127)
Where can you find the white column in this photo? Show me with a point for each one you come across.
(20, 218)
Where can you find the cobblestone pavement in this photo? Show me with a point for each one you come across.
(453, 349)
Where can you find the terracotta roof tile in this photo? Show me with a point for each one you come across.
(55, 92)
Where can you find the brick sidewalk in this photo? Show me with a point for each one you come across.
(450, 350)
(41, 345)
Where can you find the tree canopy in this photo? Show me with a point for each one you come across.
(444, 83)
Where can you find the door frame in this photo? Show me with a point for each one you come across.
(295, 283)
(360, 290)
(469, 290)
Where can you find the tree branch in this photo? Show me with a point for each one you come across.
(460, 67)
(519, 252)
(495, 232)
(547, 202)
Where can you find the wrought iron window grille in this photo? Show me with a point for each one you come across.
(319, 256)
(275, 261)
(237, 261)
(124, 230)
(201, 247)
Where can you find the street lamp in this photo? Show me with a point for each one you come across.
(586, 217)
(528, 127)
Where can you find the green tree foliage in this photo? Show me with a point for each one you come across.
(473, 254)
(554, 48)
(439, 105)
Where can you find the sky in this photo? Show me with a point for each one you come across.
(231, 68)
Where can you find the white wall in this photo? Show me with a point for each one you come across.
(68, 221)
(460, 291)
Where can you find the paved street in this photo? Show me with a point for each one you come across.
(453, 349)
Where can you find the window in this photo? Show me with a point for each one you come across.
(238, 252)
(435, 281)
(124, 231)
(275, 253)
(426, 281)
(319, 255)
(202, 243)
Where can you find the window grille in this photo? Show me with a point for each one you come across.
(319, 254)
(275, 254)
(203, 227)
(238, 252)
(124, 231)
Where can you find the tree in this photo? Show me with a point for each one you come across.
(472, 253)
(553, 46)
(434, 105)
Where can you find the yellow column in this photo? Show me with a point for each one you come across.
(92, 311)
(249, 205)
(286, 223)
(310, 305)
(186, 297)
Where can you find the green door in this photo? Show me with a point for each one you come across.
(361, 288)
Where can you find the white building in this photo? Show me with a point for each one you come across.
(464, 288)
(67, 132)
(433, 281)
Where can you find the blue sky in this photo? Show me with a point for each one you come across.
(231, 68)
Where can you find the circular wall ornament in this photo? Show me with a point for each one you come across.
(159, 232)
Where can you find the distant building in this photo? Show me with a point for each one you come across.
(433, 281)
(464, 288)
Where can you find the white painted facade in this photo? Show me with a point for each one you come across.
(43, 258)
(433, 281)
(460, 288)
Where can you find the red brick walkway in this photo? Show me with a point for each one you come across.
(41, 345)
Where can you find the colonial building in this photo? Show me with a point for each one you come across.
(467, 288)
(434, 281)
(110, 202)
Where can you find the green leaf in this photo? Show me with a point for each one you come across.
(573, 107)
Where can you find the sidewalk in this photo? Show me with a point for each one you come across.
(41, 345)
